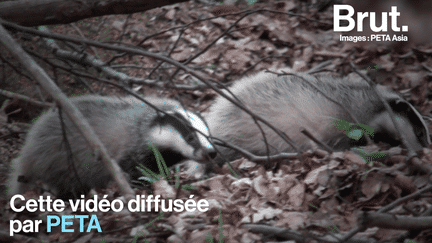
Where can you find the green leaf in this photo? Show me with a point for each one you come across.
(355, 134)
(370, 157)
(342, 125)
(368, 130)
(163, 169)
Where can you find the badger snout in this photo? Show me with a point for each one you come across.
(212, 153)
(205, 155)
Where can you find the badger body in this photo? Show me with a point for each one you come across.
(126, 126)
(292, 102)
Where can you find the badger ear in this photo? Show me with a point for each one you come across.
(404, 109)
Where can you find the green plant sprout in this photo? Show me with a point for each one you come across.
(177, 177)
(376, 67)
(356, 131)
(251, 2)
(220, 229)
(142, 233)
(209, 238)
(164, 172)
(353, 131)
(333, 228)
(410, 241)
(370, 157)
(151, 176)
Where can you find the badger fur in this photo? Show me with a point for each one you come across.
(292, 102)
(126, 126)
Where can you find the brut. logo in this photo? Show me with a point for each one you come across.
(337, 17)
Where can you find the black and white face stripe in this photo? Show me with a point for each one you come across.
(184, 132)
(408, 111)
(198, 124)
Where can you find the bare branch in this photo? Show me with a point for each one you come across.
(158, 57)
(72, 112)
(389, 221)
(25, 98)
(43, 12)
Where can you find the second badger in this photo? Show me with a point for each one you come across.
(293, 102)
(125, 126)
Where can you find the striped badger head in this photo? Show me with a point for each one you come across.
(126, 126)
(181, 134)
(410, 121)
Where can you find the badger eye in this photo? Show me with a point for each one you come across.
(189, 138)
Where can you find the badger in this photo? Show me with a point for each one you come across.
(301, 101)
(126, 126)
